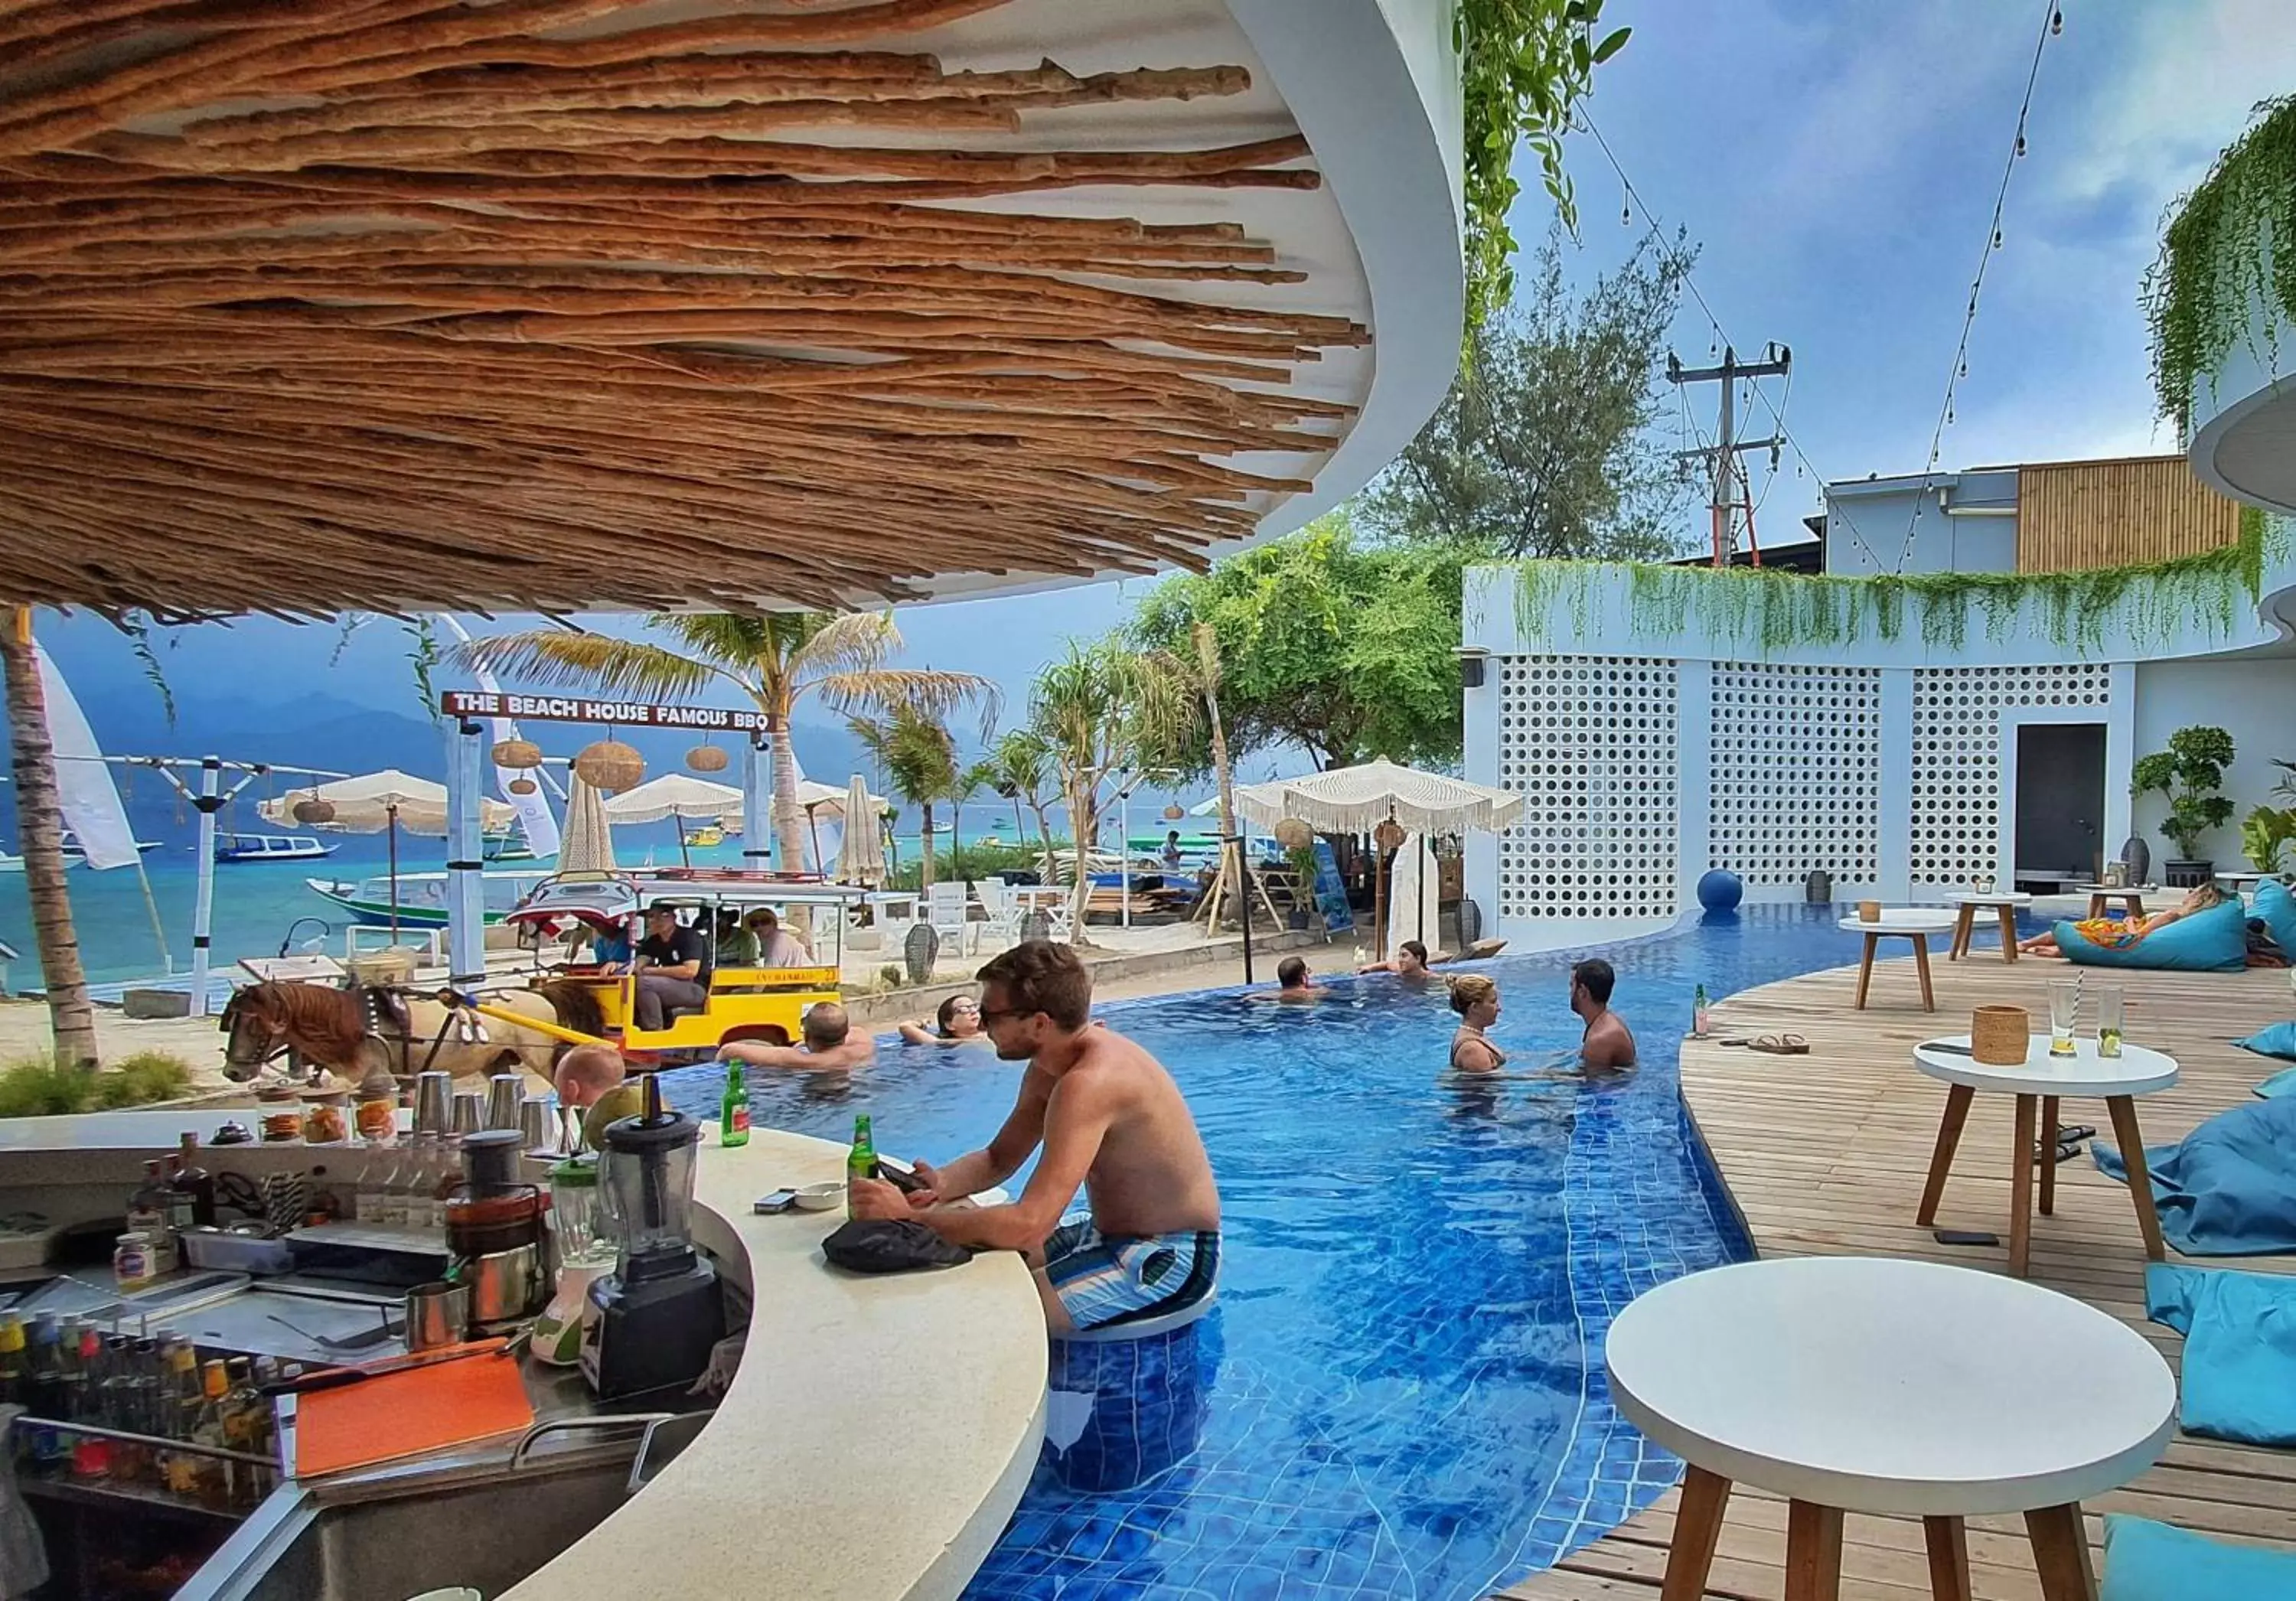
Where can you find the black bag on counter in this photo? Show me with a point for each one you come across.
(890, 1245)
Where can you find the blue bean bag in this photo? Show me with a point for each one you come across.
(2276, 905)
(2278, 1040)
(2145, 1561)
(2212, 942)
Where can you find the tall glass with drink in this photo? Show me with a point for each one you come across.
(2111, 1005)
(2064, 1013)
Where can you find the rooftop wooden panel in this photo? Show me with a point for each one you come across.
(2076, 516)
(388, 304)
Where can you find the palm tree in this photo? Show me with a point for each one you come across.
(776, 658)
(39, 833)
(1019, 768)
(917, 759)
(1207, 685)
(1108, 713)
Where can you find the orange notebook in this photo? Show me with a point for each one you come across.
(405, 1414)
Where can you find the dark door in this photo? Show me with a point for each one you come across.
(2059, 800)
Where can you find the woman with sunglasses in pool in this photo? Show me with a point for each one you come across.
(956, 1023)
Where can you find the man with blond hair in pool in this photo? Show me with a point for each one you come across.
(1110, 1119)
(829, 1045)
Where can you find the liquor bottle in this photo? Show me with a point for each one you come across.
(148, 1214)
(187, 1395)
(245, 1412)
(733, 1109)
(44, 1367)
(217, 1476)
(15, 1377)
(195, 1180)
(183, 1212)
(1698, 1014)
(861, 1161)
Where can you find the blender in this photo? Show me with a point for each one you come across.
(498, 1235)
(586, 1255)
(653, 1322)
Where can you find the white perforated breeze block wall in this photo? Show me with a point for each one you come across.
(1956, 791)
(1589, 741)
(1796, 772)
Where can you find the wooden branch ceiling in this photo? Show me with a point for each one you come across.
(314, 305)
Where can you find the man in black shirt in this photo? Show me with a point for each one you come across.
(672, 967)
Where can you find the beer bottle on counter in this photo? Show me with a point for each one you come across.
(149, 1213)
(861, 1161)
(733, 1109)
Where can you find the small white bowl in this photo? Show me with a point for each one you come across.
(824, 1196)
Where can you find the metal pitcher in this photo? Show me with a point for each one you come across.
(470, 1110)
(504, 1093)
(434, 1102)
(537, 1122)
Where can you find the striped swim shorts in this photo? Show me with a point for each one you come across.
(1103, 1279)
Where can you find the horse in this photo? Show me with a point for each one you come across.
(383, 1037)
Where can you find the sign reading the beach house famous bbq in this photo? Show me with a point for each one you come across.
(585, 709)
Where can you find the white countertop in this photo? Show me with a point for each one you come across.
(1904, 920)
(874, 1442)
(1891, 1386)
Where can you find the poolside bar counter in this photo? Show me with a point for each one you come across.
(874, 1441)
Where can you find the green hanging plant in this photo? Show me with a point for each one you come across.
(1737, 606)
(2230, 246)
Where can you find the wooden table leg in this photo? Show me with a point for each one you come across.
(2050, 1132)
(2020, 1189)
(2059, 1551)
(2136, 905)
(1697, 1528)
(2095, 907)
(2008, 933)
(1866, 969)
(1964, 929)
(1813, 1552)
(1958, 1097)
(1948, 1540)
(2123, 1109)
(1921, 965)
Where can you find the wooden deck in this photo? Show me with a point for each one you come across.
(1826, 1153)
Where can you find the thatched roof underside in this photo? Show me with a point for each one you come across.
(387, 304)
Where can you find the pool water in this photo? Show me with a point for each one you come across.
(1406, 1398)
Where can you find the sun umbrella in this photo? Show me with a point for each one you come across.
(861, 861)
(384, 802)
(675, 795)
(586, 843)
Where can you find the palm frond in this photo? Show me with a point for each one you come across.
(724, 637)
(562, 657)
(820, 646)
(933, 693)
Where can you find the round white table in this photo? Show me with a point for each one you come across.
(2102, 896)
(1916, 923)
(1912, 1389)
(1971, 902)
(2038, 1084)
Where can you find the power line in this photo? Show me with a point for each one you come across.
(1721, 335)
(2052, 23)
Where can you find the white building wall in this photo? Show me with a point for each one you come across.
(2253, 701)
(1889, 763)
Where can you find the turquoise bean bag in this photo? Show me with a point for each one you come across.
(2145, 1561)
(2212, 942)
(2278, 1040)
(2276, 905)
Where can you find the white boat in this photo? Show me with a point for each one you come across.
(422, 895)
(270, 848)
(11, 864)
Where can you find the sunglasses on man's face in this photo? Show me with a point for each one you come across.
(994, 1015)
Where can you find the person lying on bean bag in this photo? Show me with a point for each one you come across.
(2118, 934)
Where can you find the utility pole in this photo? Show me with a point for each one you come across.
(1722, 458)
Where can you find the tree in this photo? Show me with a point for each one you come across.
(1019, 767)
(39, 836)
(776, 658)
(917, 757)
(1544, 445)
(1108, 713)
(1343, 648)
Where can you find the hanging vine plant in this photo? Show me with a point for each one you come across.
(2229, 250)
(1771, 611)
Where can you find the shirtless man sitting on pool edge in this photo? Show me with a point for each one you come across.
(1110, 1120)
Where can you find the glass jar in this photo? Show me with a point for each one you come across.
(280, 1116)
(131, 1262)
(378, 1121)
(327, 1118)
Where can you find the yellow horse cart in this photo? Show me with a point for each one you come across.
(591, 911)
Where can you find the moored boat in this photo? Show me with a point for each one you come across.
(422, 895)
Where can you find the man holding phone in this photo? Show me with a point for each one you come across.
(1113, 1122)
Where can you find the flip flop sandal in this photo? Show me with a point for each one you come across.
(1781, 1045)
(1739, 1041)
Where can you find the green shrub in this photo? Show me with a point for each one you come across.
(890, 975)
(40, 1086)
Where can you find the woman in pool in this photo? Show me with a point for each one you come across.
(957, 1023)
(1476, 999)
(2116, 934)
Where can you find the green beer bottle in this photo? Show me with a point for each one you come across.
(733, 1111)
(861, 1161)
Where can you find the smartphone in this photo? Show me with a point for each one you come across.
(901, 1178)
(780, 1201)
(1964, 1237)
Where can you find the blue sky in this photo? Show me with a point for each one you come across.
(1837, 165)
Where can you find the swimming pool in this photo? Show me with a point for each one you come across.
(1408, 1399)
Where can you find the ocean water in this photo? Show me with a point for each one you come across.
(259, 905)
(1404, 1395)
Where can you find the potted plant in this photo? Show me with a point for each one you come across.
(2265, 834)
(2190, 773)
(1303, 858)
